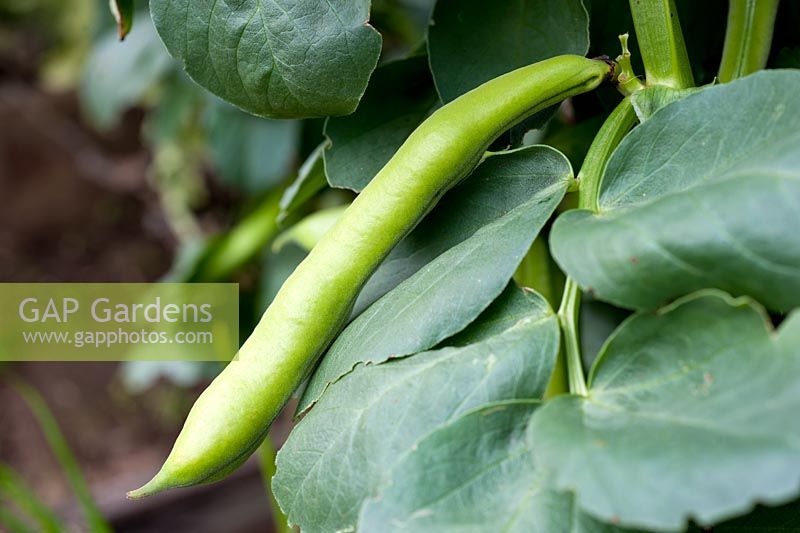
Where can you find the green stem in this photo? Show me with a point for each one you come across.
(748, 37)
(616, 126)
(614, 129)
(661, 43)
(568, 320)
(266, 459)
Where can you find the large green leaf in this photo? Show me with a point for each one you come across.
(339, 454)
(704, 194)
(470, 43)
(475, 474)
(398, 99)
(691, 411)
(278, 58)
(488, 223)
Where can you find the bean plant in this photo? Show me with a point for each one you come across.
(563, 297)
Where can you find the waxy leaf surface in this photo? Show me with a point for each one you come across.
(692, 411)
(705, 194)
(476, 474)
(274, 58)
(340, 453)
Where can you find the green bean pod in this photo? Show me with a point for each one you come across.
(232, 417)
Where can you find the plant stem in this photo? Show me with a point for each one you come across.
(614, 129)
(568, 320)
(748, 37)
(616, 126)
(661, 43)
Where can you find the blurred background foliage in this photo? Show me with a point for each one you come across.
(125, 170)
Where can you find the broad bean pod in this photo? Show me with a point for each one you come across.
(232, 416)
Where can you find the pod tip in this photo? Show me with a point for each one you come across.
(154, 486)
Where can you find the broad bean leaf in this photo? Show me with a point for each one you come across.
(398, 99)
(340, 453)
(277, 58)
(512, 196)
(501, 315)
(252, 154)
(481, 199)
(470, 44)
(704, 194)
(117, 75)
(309, 181)
(691, 412)
(475, 474)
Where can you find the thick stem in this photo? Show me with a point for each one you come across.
(616, 126)
(748, 37)
(568, 320)
(661, 43)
